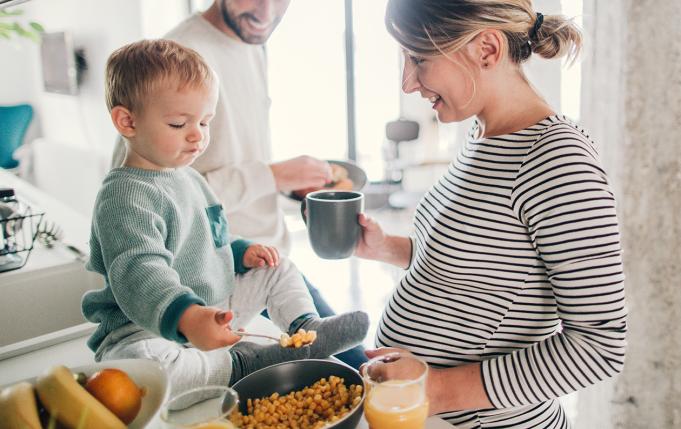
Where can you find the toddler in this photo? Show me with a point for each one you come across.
(176, 283)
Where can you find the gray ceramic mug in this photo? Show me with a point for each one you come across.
(332, 224)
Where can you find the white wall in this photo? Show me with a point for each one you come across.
(77, 129)
(19, 71)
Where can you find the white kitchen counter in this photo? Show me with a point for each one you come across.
(71, 353)
(431, 423)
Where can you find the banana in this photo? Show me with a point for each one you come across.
(72, 405)
(18, 407)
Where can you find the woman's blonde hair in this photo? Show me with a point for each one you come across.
(432, 27)
(135, 70)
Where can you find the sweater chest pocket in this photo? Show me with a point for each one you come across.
(218, 225)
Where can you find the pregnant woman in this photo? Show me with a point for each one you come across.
(514, 287)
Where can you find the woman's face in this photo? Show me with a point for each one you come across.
(446, 81)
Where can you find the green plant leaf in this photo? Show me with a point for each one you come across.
(4, 13)
(21, 31)
(35, 37)
(8, 29)
(37, 27)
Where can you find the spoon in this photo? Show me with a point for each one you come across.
(248, 334)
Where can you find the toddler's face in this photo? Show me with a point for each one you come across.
(172, 129)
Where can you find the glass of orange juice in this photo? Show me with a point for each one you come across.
(396, 392)
(206, 407)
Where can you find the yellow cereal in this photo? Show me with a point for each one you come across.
(309, 408)
(299, 339)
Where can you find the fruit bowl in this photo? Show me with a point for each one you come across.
(58, 383)
(147, 374)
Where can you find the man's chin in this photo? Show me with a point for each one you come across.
(254, 39)
(251, 32)
(254, 36)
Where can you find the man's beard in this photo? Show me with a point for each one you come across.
(232, 22)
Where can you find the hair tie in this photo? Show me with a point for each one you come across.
(537, 25)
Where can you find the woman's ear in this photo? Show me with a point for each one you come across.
(489, 46)
(124, 121)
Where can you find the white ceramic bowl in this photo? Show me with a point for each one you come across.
(145, 373)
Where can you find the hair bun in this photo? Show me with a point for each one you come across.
(535, 28)
(555, 36)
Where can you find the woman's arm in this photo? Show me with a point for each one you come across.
(470, 393)
(375, 244)
(562, 195)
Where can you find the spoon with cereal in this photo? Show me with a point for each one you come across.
(297, 340)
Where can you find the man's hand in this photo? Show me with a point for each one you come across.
(258, 255)
(301, 172)
(207, 328)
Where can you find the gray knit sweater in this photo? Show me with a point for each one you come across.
(161, 241)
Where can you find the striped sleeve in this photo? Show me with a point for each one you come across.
(562, 195)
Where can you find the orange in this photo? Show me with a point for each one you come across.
(116, 390)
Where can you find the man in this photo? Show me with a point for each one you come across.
(237, 164)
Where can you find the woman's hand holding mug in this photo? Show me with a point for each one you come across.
(372, 241)
(375, 244)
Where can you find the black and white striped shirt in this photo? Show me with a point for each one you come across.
(517, 264)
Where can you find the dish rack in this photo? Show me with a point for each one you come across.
(18, 230)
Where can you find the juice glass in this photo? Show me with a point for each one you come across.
(396, 392)
(207, 407)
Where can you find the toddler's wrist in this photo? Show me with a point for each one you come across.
(188, 318)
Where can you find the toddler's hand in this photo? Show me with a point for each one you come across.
(207, 328)
(258, 255)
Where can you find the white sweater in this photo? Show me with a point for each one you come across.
(236, 163)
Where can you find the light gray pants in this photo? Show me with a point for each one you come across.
(280, 289)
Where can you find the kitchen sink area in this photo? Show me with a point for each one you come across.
(40, 304)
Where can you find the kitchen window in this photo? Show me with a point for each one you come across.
(308, 82)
